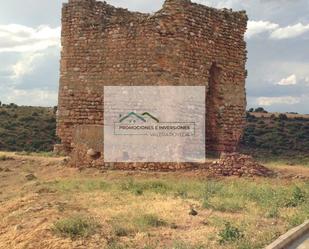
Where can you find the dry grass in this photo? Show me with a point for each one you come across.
(75, 226)
(142, 210)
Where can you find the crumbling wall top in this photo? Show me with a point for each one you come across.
(167, 7)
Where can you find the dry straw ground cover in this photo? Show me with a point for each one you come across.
(66, 208)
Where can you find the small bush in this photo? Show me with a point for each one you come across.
(260, 109)
(210, 190)
(230, 233)
(283, 116)
(297, 198)
(252, 140)
(296, 219)
(75, 226)
(273, 212)
(133, 187)
(138, 191)
(121, 231)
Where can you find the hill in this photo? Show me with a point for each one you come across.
(26, 128)
(267, 135)
(276, 135)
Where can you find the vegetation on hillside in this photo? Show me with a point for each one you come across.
(33, 129)
(26, 128)
(276, 136)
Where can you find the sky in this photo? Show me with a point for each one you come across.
(277, 42)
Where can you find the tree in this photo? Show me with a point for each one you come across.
(55, 108)
(260, 109)
(283, 116)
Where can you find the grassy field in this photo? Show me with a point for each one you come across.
(110, 209)
(46, 205)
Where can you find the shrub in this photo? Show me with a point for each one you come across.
(250, 118)
(296, 219)
(138, 191)
(121, 231)
(75, 226)
(273, 212)
(260, 109)
(4, 113)
(283, 116)
(252, 140)
(133, 187)
(230, 233)
(297, 198)
(212, 188)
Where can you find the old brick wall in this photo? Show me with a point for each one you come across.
(182, 44)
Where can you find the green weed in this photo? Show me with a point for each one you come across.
(75, 226)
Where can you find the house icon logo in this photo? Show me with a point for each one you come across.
(134, 117)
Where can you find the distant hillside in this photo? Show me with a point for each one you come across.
(24, 128)
(274, 134)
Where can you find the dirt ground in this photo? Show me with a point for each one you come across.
(29, 206)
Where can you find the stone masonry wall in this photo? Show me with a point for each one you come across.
(182, 44)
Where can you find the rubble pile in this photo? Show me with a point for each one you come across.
(235, 164)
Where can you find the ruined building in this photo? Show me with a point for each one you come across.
(184, 43)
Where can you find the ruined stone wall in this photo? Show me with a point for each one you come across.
(182, 44)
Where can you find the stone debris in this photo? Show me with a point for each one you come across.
(18, 227)
(91, 152)
(65, 161)
(193, 212)
(229, 164)
(30, 177)
(235, 164)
